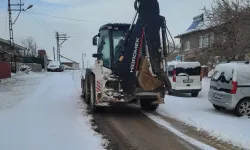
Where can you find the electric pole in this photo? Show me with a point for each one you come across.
(54, 53)
(83, 57)
(60, 37)
(19, 8)
(88, 63)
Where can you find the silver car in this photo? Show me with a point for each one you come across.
(230, 87)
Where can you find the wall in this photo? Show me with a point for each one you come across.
(5, 71)
(35, 67)
(75, 66)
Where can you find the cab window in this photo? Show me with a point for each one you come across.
(104, 48)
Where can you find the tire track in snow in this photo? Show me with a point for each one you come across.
(169, 127)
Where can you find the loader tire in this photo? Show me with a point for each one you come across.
(146, 104)
(87, 86)
(92, 107)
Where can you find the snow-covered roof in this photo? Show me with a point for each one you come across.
(185, 64)
(240, 67)
(204, 66)
(8, 43)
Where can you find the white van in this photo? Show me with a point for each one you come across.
(230, 87)
(185, 77)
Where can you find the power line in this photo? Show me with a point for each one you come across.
(46, 26)
(44, 22)
(38, 21)
(72, 19)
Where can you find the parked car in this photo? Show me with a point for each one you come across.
(185, 77)
(230, 87)
(55, 66)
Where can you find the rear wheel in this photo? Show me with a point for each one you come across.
(217, 107)
(92, 106)
(195, 94)
(147, 105)
(243, 108)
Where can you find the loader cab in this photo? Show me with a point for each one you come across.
(107, 40)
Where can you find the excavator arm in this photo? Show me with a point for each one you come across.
(135, 66)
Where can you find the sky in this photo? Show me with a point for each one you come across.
(93, 14)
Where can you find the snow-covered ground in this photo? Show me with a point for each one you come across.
(199, 112)
(14, 90)
(44, 112)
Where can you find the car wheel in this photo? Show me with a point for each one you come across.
(170, 93)
(217, 107)
(195, 94)
(147, 105)
(243, 108)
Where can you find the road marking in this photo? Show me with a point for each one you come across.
(169, 127)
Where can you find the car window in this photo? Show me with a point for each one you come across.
(189, 71)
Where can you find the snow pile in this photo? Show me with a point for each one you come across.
(210, 73)
(26, 69)
(199, 112)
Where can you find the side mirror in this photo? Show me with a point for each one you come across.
(95, 41)
(98, 55)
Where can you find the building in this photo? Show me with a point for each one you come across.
(71, 65)
(205, 44)
(5, 50)
(198, 38)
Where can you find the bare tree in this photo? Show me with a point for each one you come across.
(231, 17)
(30, 44)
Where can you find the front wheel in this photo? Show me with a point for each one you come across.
(217, 107)
(147, 105)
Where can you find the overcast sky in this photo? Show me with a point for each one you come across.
(178, 13)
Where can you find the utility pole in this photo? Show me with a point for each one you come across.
(54, 53)
(18, 7)
(88, 63)
(83, 57)
(60, 37)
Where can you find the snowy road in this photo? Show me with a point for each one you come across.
(49, 117)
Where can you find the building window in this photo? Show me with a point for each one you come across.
(200, 41)
(206, 40)
(211, 38)
(187, 46)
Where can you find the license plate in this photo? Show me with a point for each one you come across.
(218, 96)
(188, 81)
